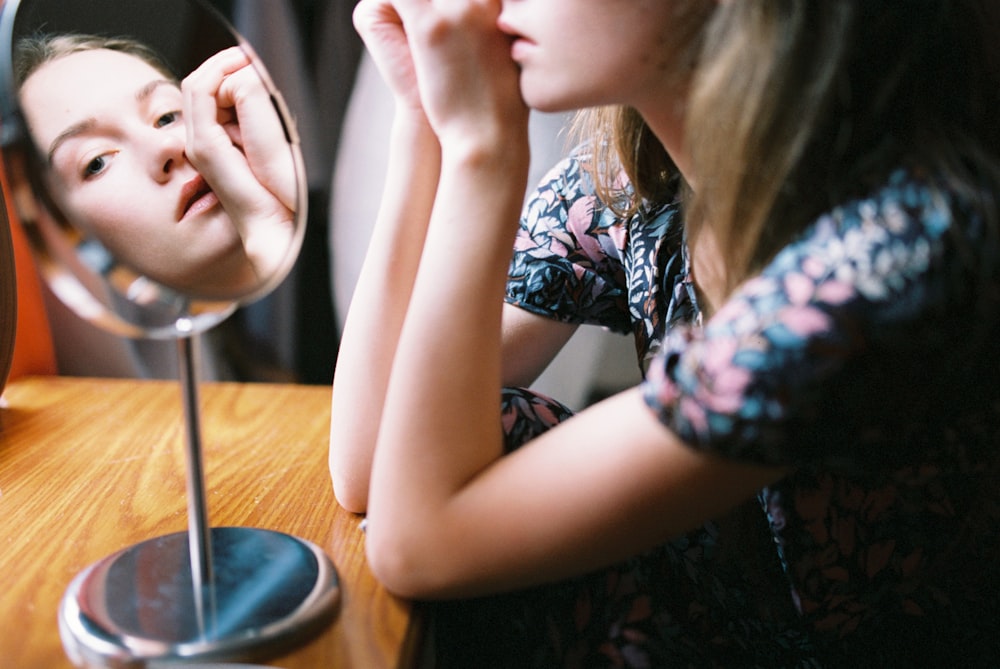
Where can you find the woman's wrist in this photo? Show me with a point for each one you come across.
(410, 123)
(493, 150)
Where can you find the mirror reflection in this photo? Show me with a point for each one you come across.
(190, 184)
(162, 182)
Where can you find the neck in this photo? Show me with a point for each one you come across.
(666, 118)
(707, 266)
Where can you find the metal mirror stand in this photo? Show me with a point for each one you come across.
(224, 593)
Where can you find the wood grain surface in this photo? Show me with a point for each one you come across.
(91, 466)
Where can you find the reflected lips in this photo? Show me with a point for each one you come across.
(193, 197)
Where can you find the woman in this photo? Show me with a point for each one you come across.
(790, 204)
(191, 184)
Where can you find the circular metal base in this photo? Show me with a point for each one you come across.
(268, 591)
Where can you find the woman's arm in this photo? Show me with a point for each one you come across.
(447, 514)
(378, 306)
(382, 295)
(605, 485)
(530, 342)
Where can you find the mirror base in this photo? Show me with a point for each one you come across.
(268, 591)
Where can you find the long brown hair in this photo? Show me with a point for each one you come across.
(795, 105)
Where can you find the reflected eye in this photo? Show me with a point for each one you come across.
(96, 166)
(167, 119)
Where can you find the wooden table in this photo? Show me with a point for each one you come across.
(88, 467)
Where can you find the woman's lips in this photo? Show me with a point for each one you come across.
(520, 49)
(520, 45)
(196, 197)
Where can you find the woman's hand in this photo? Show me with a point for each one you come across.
(459, 154)
(236, 141)
(382, 30)
(248, 114)
(234, 136)
(452, 55)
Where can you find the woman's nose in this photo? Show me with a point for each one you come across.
(169, 153)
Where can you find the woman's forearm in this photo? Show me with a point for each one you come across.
(378, 307)
(441, 423)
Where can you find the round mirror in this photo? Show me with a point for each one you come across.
(152, 162)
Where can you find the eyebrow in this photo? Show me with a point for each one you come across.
(88, 124)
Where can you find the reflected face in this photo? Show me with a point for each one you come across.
(110, 127)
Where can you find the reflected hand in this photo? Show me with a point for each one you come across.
(235, 139)
(249, 116)
(237, 143)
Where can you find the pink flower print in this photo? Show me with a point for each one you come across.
(618, 236)
(590, 246)
(733, 311)
(727, 390)
(667, 391)
(524, 242)
(834, 292)
(804, 321)
(580, 214)
(669, 394)
(544, 414)
(560, 243)
(695, 414)
(761, 285)
(718, 355)
(798, 288)
(507, 421)
(814, 268)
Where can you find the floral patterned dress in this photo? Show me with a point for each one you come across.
(865, 356)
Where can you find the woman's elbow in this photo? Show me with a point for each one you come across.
(405, 567)
(351, 492)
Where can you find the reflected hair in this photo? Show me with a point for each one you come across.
(30, 53)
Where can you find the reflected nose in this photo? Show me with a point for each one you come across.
(169, 153)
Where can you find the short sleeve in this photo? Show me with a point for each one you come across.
(567, 255)
(823, 359)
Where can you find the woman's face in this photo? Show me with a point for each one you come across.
(110, 127)
(584, 53)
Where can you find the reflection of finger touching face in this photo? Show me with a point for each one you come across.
(205, 132)
(227, 99)
(113, 131)
(236, 140)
